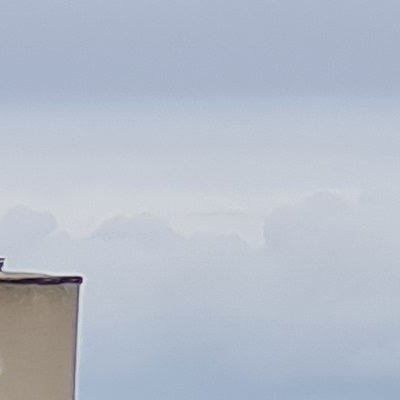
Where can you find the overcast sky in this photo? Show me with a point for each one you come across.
(225, 176)
(71, 49)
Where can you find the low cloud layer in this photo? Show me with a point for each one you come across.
(310, 314)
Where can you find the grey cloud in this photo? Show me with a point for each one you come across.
(336, 250)
(310, 314)
(22, 229)
(126, 49)
(142, 229)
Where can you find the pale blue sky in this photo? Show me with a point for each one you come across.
(225, 176)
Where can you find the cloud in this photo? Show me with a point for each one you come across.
(310, 314)
(21, 229)
(350, 245)
(188, 48)
(143, 230)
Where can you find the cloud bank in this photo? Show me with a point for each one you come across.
(310, 314)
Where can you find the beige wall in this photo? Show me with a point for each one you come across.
(37, 341)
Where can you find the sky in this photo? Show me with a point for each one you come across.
(224, 176)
